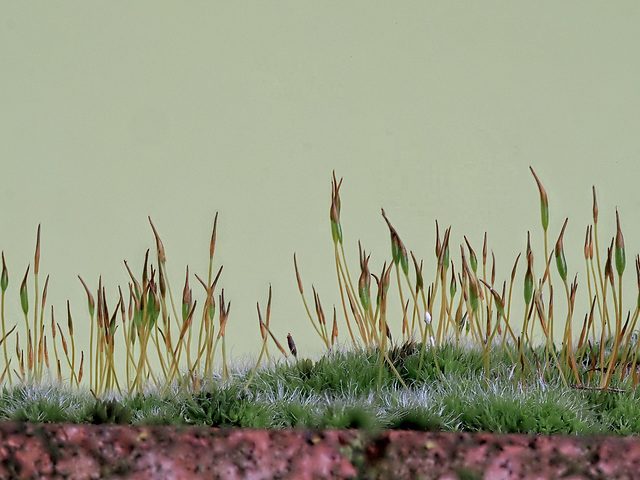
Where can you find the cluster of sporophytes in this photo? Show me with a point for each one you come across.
(144, 323)
(167, 346)
(464, 304)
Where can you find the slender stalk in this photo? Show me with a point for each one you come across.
(36, 326)
(4, 282)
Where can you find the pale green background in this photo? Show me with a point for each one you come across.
(112, 111)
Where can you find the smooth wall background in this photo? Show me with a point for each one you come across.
(114, 111)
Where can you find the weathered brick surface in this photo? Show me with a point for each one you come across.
(60, 451)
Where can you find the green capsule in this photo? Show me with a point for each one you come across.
(212, 306)
(404, 260)
(113, 325)
(154, 317)
(395, 251)
(445, 257)
(544, 215)
(153, 309)
(620, 255)
(561, 263)
(528, 287)
(608, 269)
(185, 310)
(398, 250)
(473, 295)
(336, 232)
(419, 279)
(334, 216)
(364, 288)
(544, 202)
(24, 298)
(638, 276)
(365, 299)
(137, 318)
(472, 257)
(452, 287)
(4, 279)
(620, 260)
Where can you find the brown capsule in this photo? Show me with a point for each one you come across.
(121, 303)
(595, 206)
(608, 270)
(638, 273)
(318, 306)
(493, 268)
(105, 310)
(586, 244)
(292, 346)
(268, 307)
(334, 331)
(69, 320)
(496, 296)
(46, 353)
(44, 292)
(574, 289)
(18, 350)
(53, 324)
(419, 279)
(212, 245)
(64, 342)
(39, 357)
(260, 323)
(295, 265)
(136, 285)
(36, 263)
(159, 246)
(438, 245)
(81, 367)
(515, 266)
(484, 250)
(145, 277)
(161, 281)
(224, 313)
(465, 267)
